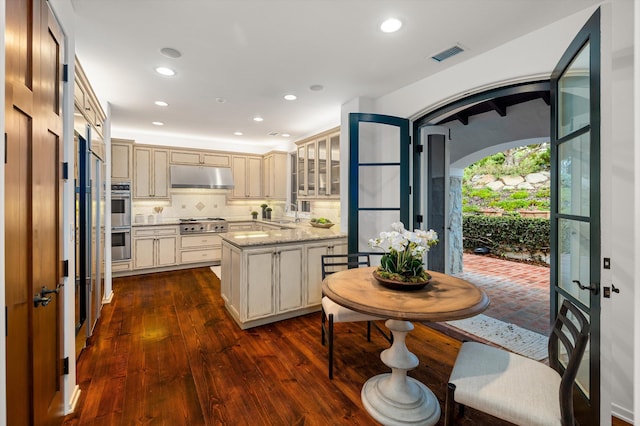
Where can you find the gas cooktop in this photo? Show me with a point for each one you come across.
(201, 219)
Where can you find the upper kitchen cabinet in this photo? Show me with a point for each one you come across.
(274, 170)
(86, 102)
(121, 160)
(201, 158)
(247, 176)
(151, 173)
(318, 163)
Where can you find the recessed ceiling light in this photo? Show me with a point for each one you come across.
(316, 87)
(165, 71)
(391, 25)
(238, 133)
(157, 123)
(290, 97)
(170, 52)
(161, 103)
(258, 118)
(285, 135)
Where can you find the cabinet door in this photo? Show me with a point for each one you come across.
(323, 170)
(334, 166)
(142, 173)
(185, 157)
(267, 176)
(220, 160)
(260, 284)
(160, 174)
(290, 278)
(121, 162)
(166, 251)
(225, 272)
(254, 177)
(314, 273)
(278, 176)
(239, 177)
(143, 253)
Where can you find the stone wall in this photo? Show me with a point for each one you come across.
(532, 181)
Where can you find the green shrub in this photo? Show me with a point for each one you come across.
(503, 234)
(519, 195)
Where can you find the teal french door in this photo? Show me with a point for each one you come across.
(575, 195)
(379, 170)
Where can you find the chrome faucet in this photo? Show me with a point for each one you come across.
(297, 219)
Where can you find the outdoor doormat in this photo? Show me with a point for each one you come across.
(516, 339)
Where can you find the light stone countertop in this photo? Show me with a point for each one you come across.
(302, 232)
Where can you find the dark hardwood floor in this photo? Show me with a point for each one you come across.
(165, 352)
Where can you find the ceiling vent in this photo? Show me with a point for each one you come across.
(272, 133)
(446, 54)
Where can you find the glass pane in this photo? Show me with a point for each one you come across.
(322, 167)
(582, 379)
(379, 143)
(379, 187)
(301, 174)
(574, 258)
(311, 169)
(573, 95)
(370, 224)
(335, 164)
(575, 179)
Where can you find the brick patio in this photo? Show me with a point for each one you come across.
(519, 292)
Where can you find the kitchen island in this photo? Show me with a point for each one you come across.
(272, 275)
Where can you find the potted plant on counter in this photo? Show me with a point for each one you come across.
(254, 215)
(264, 210)
(268, 210)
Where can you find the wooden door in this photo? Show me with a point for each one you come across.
(33, 215)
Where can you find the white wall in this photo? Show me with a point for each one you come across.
(533, 57)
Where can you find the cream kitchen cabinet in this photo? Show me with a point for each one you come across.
(318, 166)
(200, 248)
(247, 177)
(151, 173)
(201, 158)
(274, 170)
(313, 255)
(121, 160)
(263, 284)
(154, 246)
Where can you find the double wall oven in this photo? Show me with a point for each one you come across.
(120, 221)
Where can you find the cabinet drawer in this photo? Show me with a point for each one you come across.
(121, 266)
(194, 256)
(203, 240)
(153, 231)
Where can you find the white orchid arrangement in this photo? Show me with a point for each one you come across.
(404, 252)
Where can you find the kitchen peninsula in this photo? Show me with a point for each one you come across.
(272, 275)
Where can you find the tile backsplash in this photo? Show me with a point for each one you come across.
(199, 203)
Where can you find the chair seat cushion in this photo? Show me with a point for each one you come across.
(506, 385)
(342, 314)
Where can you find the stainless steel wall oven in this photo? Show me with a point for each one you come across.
(120, 221)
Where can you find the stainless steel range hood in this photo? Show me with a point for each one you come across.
(201, 177)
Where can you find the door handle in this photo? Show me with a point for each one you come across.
(39, 300)
(44, 291)
(592, 287)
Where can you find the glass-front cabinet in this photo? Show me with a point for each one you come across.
(318, 162)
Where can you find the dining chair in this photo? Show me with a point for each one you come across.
(332, 312)
(518, 389)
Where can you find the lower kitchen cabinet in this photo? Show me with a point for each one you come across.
(154, 247)
(264, 284)
(200, 248)
(314, 254)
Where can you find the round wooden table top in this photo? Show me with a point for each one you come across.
(445, 298)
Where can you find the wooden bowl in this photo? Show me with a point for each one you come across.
(321, 225)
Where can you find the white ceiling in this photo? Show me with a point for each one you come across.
(253, 52)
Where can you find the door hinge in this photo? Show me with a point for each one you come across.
(65, 365)
(65, 73)
(419, 149)
(409, 190)
(419, 218)
(65, 170)
(6, 321)
(5, 148)
(65, 268)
